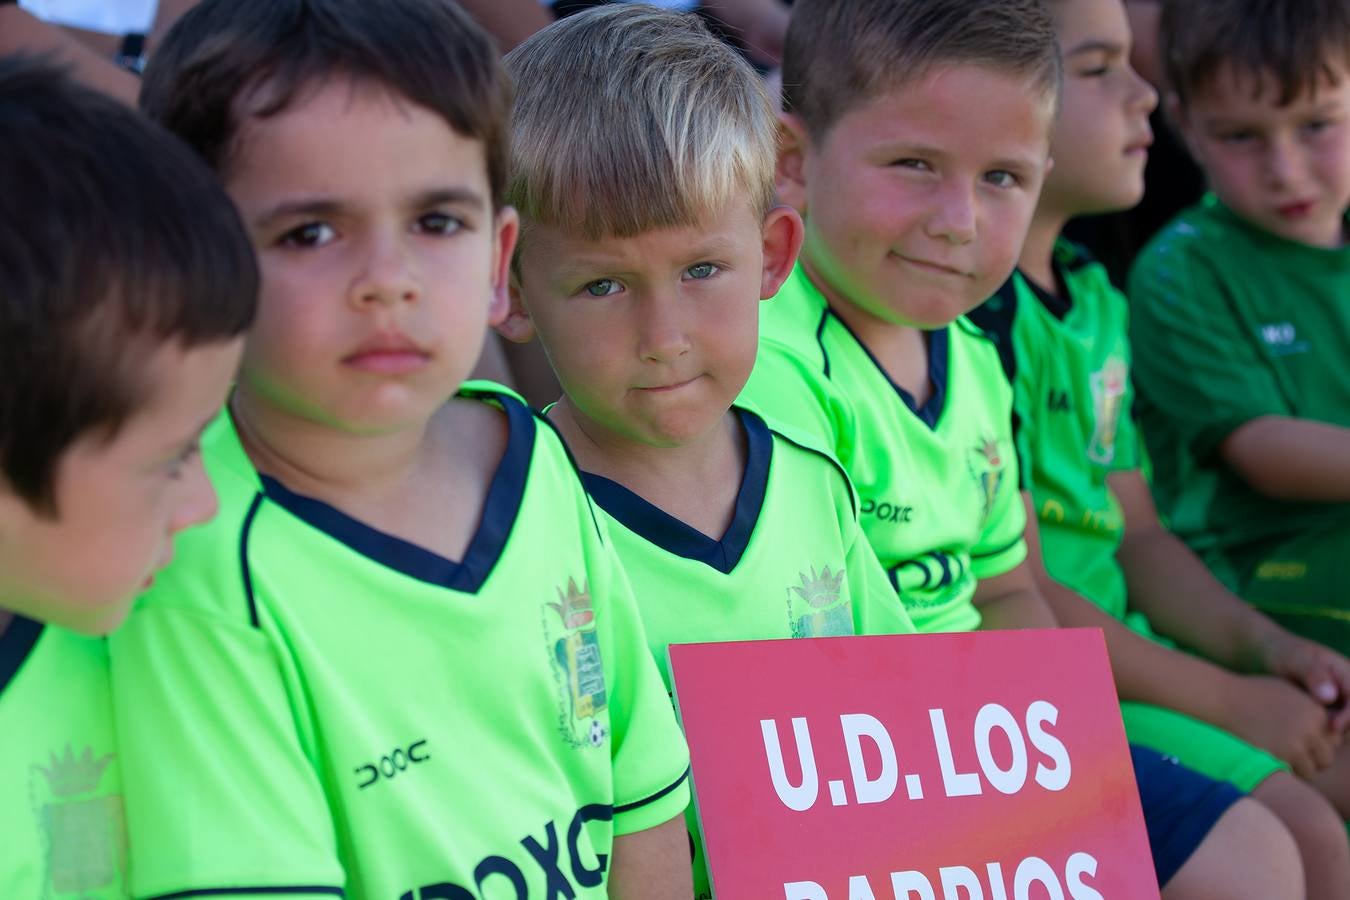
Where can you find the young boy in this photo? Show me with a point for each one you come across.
(642, 273)
(1061, 328)
(128, 280)
(405, 663)
(914, 213)
(1240, 324)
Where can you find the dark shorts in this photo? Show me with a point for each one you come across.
(1180, 807)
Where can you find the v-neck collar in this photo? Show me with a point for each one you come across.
(658, 527)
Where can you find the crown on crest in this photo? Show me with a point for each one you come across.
(69, 776)
(820, 590)
(574, 607)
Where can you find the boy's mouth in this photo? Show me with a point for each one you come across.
(1295, 210)
(387, 354)
(934, 267)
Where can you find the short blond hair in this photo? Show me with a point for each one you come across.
(629, 119)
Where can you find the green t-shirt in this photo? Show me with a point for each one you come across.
(938, 483)
(62, 832)
(1230, 323)
(793, 563)
(307, 705)
(1068, 361)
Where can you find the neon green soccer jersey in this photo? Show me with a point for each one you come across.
(793, 563)
(62, 834)
(308, 706)
(1230, 323)
(1068, 361)
(938, 483)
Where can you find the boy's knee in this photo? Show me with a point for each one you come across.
(1249, 853)
(1317, 827)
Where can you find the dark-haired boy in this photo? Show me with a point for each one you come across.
(424, 676)
(917, 140)
(1253, 699)
(127, 283)
(1240, 320)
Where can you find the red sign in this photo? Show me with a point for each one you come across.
(981, 766)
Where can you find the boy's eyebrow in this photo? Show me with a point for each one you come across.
(325, 207)
(1093, 46)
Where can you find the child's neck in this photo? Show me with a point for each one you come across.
(1037, 261)
(901, 350)
(425, 484)
(696, 482)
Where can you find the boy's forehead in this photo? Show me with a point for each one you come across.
(352, 137)
(733, 222)
(936, 107)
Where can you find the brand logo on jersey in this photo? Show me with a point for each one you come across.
(935, 571)
(569, 624)
(815, 608)
(894, 513)
(85, 830)
(388, 766)
(986, 467)
(1282, 339)
(562, 876)
(1108, 392)
(1058, 401)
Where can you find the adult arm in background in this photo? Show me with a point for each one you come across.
(21, 32)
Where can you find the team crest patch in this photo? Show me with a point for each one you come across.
(987, 465)
(570, 626)
(83, 828)
(1108, 391)
(815, 608)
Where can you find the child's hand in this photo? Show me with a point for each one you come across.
(1279, 717)
(1319, 670)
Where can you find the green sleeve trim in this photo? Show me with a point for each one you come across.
(262, 891)
(628, 807)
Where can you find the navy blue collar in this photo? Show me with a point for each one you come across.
(937, 342)
(15, 645)
(658, 527)
(500, 510)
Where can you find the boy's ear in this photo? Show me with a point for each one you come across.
(790, 173)
(783, 233)
(507, 227)
(516, 326)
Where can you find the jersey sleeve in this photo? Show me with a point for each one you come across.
(876, 604)
(1193, 363)
(649, 754)
(221, 798)
(791, 390)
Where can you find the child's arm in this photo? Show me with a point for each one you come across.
(652, 864)
(1291, 459)
(1185, 602)
(1012, 600)
(1149, 672)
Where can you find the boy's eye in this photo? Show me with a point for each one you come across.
(182, 460)
(1002, 178)
(1316, 126)
(311, 234)
(602, 287)
(702, 270)
(439, 223)
(916, 164)
(1237, 137)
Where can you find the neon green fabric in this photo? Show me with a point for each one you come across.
(1068, 361)
(938, 484)
(793, 563)
(1199, 745)
(307, 705)
(62, 832)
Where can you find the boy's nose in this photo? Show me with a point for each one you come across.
(1143, 96)
(661, 333)
(389, 275)
(1284, 162)
(954, 217)
(198, 503)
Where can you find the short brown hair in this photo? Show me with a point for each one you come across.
(658, 123)
(1295, 41)
(114, 239)
(428, 52)
(842, 53)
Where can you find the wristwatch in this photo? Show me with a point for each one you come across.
(131, 55)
